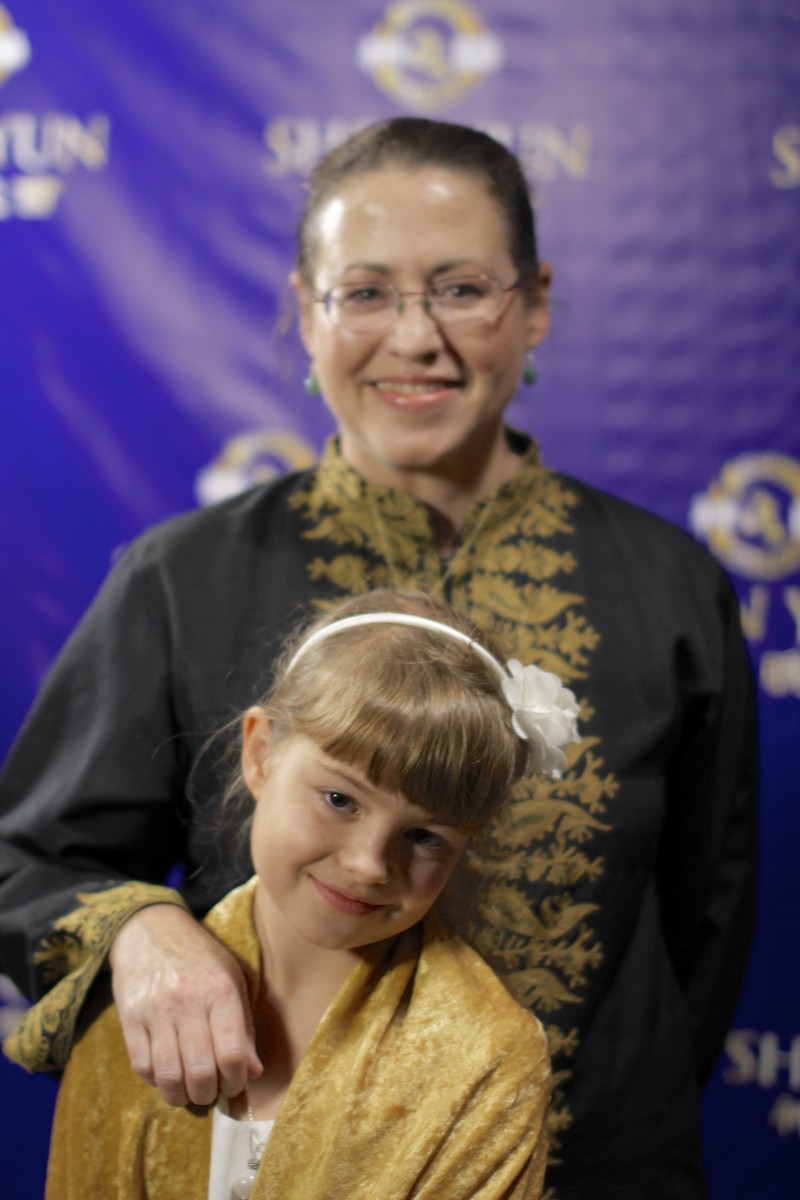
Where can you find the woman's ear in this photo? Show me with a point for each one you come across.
(256, 749)
(304, 308)
(538, 321)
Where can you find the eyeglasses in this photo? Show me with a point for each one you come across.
(456, 300)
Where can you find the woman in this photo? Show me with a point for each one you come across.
(618, 901)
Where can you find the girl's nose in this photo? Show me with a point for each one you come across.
(368, 858)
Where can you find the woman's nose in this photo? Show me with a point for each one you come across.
(414, 330)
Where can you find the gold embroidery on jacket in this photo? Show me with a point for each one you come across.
(511, 581)
(73, 955)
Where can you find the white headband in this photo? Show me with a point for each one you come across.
(543, 713)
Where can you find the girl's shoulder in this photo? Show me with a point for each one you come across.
(454, 981)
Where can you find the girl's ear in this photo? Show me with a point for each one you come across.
(256, 748)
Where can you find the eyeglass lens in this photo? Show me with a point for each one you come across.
(465, 298)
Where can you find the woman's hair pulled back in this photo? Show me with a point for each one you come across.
(419, 142)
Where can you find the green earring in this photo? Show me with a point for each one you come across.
(311, 383)
(529, 373)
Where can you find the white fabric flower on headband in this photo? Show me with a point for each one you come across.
(543, 713)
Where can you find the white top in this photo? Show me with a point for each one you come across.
(232, 1144)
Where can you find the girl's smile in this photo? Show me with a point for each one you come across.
(342, 901)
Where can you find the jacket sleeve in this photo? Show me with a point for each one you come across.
(708, 857)
(43, 1039)
(92, 792)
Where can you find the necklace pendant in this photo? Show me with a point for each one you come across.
(243, 1187)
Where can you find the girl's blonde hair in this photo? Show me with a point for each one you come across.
(414, 708)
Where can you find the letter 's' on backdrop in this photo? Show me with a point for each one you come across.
(151, 159)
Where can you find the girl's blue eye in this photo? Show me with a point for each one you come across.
(426, 838)
(338, 800)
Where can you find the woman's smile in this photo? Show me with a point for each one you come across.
(415, 395)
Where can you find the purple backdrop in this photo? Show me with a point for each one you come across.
(151, 161)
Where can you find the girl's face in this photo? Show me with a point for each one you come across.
(418, 395)
(341, 863)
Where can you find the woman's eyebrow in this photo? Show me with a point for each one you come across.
(453, 264)
(376, 268)
(450, 264)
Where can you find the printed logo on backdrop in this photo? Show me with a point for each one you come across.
(250, 459)
(426, 55)
(15, 46)
(750, 519)
(39, 152)
(758, 1059)
(785, 172)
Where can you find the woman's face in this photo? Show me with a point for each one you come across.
(417, 396)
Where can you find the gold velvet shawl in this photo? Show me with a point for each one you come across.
(424, 1079)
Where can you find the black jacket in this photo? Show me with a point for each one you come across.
(619, 905)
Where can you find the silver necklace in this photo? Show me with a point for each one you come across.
(243, 1186)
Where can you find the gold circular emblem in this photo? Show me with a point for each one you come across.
(249, 459)
(750, 516)
(426, 53)
(15, 48)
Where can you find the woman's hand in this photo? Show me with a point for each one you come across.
(183, 1006)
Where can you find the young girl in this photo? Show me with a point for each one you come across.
(396, 1064)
